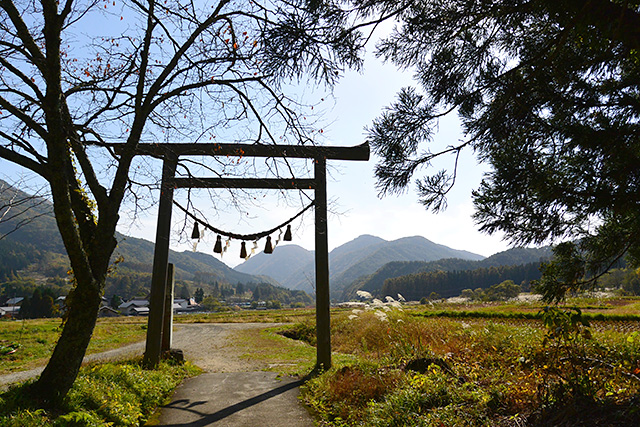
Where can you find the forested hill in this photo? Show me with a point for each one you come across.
(31, 247)
(513, 257)
(451, 283)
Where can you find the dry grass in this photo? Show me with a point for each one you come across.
(249, 316)
(476, 372)
(275, 352)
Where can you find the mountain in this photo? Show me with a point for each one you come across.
(414, 248)
(511, 257)
(361, 256)
(518, 256)
(138, 256)
(293, 257)
(30, 245)
(344, 256)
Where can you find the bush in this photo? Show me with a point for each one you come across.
(343, 394)
(493, 372)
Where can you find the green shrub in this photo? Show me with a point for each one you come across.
(26, 418)
(80, 419)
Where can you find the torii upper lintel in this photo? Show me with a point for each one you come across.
(358, 152)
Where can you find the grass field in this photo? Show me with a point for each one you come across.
(462, 364)
(35, 339)
(446, 364)
(248, 316)
(411, 368)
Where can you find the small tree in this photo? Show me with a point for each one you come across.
(502, 291)
(184, 291)
(274, 304)
(199, 295)
(41, 304)
(211, 304)
(240, 289)
(115, 302)
(631, 282)
(467, 293)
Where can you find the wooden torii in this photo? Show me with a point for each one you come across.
(170, 154)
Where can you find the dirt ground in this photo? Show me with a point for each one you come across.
(207, 345)
(210, 346)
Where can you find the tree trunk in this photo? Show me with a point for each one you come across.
(61, 371)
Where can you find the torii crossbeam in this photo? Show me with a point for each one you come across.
(170, 154)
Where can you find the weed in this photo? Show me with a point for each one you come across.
(346, 391)
(303, 331)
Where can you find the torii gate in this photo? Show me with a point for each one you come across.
(170, 154)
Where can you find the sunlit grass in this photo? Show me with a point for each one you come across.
(36, 339)
(492, 368)
(275, 352)
(248, 316)
(108, 394)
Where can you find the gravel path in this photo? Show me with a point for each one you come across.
(210, 345)
(207, 345)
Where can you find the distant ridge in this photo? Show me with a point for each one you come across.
(293, 257)
(361, 256)
(36, 248)
(415, 248)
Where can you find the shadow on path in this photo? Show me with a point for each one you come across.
(236, 399)
(208, 419)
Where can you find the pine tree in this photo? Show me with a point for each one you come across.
(548, 96)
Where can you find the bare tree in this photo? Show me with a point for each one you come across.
(76, 76)
(18, 209)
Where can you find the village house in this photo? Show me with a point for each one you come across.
(11, 307)
(134, 307)
(10, 311)
(106, 311)
(14, 301)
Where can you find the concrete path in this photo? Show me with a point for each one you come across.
(233, 399)
(234, 391)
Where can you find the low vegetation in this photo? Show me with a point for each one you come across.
(412, 370)
(110, 394)
(455, 363)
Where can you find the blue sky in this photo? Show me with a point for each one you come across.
(355, 208)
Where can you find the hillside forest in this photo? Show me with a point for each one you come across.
(33, 266)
